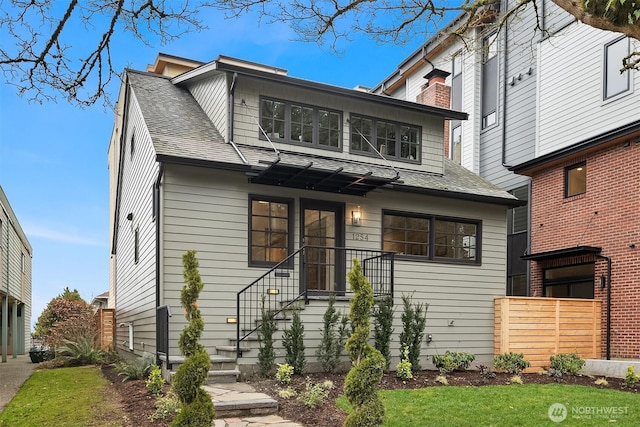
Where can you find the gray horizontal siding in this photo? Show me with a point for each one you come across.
(207, 211)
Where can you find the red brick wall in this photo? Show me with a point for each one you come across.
(613, 191)
(437, 94)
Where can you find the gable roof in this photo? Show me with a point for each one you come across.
(182, 133)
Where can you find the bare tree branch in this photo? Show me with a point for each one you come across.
(39, 57)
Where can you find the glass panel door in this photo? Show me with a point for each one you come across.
(322, 232)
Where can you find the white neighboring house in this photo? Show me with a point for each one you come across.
(276, 183)
(15, 283)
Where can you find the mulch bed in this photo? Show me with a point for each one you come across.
(138, 403)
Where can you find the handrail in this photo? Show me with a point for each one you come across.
(310, 269)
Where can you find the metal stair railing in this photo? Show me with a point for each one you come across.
(288, 282)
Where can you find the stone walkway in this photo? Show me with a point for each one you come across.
(239, 405)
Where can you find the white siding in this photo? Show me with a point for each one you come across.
(207, 211)
(135, 283)
(15, 275)
(571, 90)
(211, 94)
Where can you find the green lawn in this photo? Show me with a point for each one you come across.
(65, 397)
(508, 406)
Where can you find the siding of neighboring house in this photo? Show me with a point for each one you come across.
(571, 89)
(206, 210)
(135, 293)
(15, 277)
(567, 222)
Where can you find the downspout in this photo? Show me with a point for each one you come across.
(232, 92)
(5, 301)
(156, 189)
(504, 93)
(608, 333)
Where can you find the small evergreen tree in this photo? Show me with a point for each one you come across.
(266, 329)
(383, 327)
(414, 320)
(367, 362)
(331, 343)
(197, 406)
(293, 343)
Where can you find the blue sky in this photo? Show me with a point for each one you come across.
(53, 157)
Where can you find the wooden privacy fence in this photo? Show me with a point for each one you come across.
(542, 327)
(106, 321)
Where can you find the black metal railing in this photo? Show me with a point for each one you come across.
(310, 271)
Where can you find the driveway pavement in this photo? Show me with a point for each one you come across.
(13, 373)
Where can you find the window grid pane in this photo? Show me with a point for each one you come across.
(391, 139)
(269, 231)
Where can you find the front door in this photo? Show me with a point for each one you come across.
(322, 232)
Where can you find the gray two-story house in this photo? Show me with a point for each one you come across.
(278, 183)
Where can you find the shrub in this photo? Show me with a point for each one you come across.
(631, 378)
(601, 382)
(510, 362)
(486, 373)
(266, 329)
(367, 363)
(293, 343)
(382, 327)
(332, 343)
(287, 393)
(166, 407)
(66, 317)
(452, 360)
(80, 352)
(155, 381)
(567, 364)
(314, 394)
(197, 406)
(284, 372)
(135, 369)
(516, 379)
(403, 369)
(414, 320)
(442, 380)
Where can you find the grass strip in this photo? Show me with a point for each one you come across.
(510, 405)
(65, 397)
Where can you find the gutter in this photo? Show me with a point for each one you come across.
(156, 190)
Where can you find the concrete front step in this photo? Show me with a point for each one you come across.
(230, 350)
(217, 376)
(239, 399)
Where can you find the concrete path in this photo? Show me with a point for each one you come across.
(13, 373)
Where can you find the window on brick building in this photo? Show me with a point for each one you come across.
(575, 281)
(575, 179)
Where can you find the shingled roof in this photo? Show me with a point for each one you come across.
(181, 132)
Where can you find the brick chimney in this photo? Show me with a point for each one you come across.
(436, 93)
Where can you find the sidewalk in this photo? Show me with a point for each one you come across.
(13, 374)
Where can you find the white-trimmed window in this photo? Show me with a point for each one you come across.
(489, 80)
(615, 82)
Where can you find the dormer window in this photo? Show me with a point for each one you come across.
(301, 124)
(391, 139)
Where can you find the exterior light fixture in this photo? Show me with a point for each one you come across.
(130, 216)
(273, 291)
(232, 320)
(356, 216)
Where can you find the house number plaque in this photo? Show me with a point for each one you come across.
(360, 236)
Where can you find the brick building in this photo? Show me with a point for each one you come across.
(585, 230)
